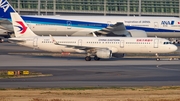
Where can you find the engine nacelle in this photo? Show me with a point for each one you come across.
(118, 55)
(137, 33)
(104, 53)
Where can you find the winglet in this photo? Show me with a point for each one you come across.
(53, 40)
(5, 9)
(94, 34)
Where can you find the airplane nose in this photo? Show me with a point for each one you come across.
(174, 48)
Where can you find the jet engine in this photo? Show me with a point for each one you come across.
(118, 55)
(104, 53)
(137, 33)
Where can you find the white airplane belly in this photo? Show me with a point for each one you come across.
(164, 34)
(27, 44)
(48, 47)
(131, 49)
(61, 31)
(64, 49)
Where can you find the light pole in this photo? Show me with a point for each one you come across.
(19, 6)
(39, 6)
(139, 7)
(128, 8)
(54, 9)
(46, 6)
(104, 7)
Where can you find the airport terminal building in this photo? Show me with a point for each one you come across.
(96, 7)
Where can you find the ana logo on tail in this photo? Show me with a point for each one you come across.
(4, 5)
(22, 28)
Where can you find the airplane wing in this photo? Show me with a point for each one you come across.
(5, 21)
(76, 46)
(117, 29)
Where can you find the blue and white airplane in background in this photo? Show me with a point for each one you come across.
(166, 27)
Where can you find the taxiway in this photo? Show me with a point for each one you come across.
(75, 72)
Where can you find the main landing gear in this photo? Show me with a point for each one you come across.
(96, 58)
(157, 59)
(88, 58)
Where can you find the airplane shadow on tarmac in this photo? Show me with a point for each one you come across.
(82, 58)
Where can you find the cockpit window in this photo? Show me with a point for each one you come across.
(167, 43)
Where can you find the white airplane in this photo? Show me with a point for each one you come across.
(166, 27)
(99, 47)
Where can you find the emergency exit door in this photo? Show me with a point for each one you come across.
(122, 43)
(80, 42)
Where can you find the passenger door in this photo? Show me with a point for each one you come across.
(156, 41)
(35, 42)
(108, 23)
(69, 24)
(80, 42)
(122, 43)
(156, 26)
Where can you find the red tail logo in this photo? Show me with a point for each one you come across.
(22, 27)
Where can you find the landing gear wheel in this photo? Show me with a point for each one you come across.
(88, 58)
(96, 58)
(157, 59)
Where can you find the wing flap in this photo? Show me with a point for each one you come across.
(76, 46)
(117, 29)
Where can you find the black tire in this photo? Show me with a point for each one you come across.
(88, 58)
(1, 40)
(96, 58)
(157, 59)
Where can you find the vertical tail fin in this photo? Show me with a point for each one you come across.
(20, 27)
(5, 9)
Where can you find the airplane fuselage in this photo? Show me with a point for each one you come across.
(116, 45)
(167, 27)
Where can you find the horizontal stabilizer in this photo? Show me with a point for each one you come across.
(16, 40)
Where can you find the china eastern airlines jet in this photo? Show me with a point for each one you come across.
(166, 27)
(99, 47)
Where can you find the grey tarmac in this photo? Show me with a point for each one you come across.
(75, 72)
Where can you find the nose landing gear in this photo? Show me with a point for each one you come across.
(96, 58)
